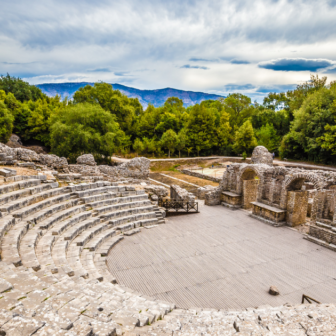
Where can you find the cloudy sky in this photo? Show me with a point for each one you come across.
(225, 46)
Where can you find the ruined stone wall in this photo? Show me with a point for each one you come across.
(323, 234)
(250, 190)
(137, 168)
(179, 194)
(328, 207)
(297, 205)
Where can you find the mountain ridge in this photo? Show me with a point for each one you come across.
(156, 97)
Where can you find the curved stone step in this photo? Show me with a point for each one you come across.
(89, 234)
(19, 185)
(97, 198)
(79, 228)
(138, 218)
(96, 191)
(122, 206)
(6, 223)
(96, 241)
(23, 193)
(61, 215)
(86, 186)
(59, 228)
(29, 210)
(127, 212)
(35, 194)
(113, 199)
(27, 248)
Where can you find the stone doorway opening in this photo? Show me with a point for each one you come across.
(297, 201)
(250, 181)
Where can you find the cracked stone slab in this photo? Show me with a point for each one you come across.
(22, 326)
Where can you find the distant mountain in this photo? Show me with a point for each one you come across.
(155, 97)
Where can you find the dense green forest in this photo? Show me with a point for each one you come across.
(298, 124)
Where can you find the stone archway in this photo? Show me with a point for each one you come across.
(295, 198)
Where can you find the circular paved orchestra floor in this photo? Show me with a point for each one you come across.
(221, 258)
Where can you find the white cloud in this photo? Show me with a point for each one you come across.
(151, 42)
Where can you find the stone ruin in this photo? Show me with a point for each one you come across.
(54, 241)
(281, 196)
(136, 169)
(179, 194)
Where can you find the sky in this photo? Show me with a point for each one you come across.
(251, 47)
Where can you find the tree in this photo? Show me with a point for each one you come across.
(22, 90)
(168, 140)
(86, 128)
(239, 108)
(224, 130)
(181, 141)
(201, 128)
(138, 146)
(124, 108)
(189, 150)
(307, 132)
(245, 140)
(6, 123)
(268, 138)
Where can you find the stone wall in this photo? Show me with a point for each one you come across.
(179, 194)
(275, 188)
(201, 192)
(137, 168)
(200, 175)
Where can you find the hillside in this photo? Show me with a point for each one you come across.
(155, 97)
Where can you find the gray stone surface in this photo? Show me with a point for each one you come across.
(261, 155)
(160, 191)
(135, 168)
(86, 159)
(224, 260)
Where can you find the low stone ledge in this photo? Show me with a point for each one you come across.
(200, 175)
(231, 206)
(277, 217)
(268, 221)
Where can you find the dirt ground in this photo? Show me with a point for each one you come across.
(21, 170)
(25, 171)
(195, 180)
(162, 166)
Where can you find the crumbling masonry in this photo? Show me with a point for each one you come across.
(281, 196)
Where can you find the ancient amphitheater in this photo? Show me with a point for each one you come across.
(85, 250)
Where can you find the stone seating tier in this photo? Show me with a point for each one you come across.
(54, 241)
(54, 278)
(298, 320)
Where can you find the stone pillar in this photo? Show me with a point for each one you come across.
(260, 188)
(250, 191)
(316, 211)
(271, 192)
(283, 196)
(297, 205)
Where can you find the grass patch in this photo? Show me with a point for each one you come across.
(173, 168)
